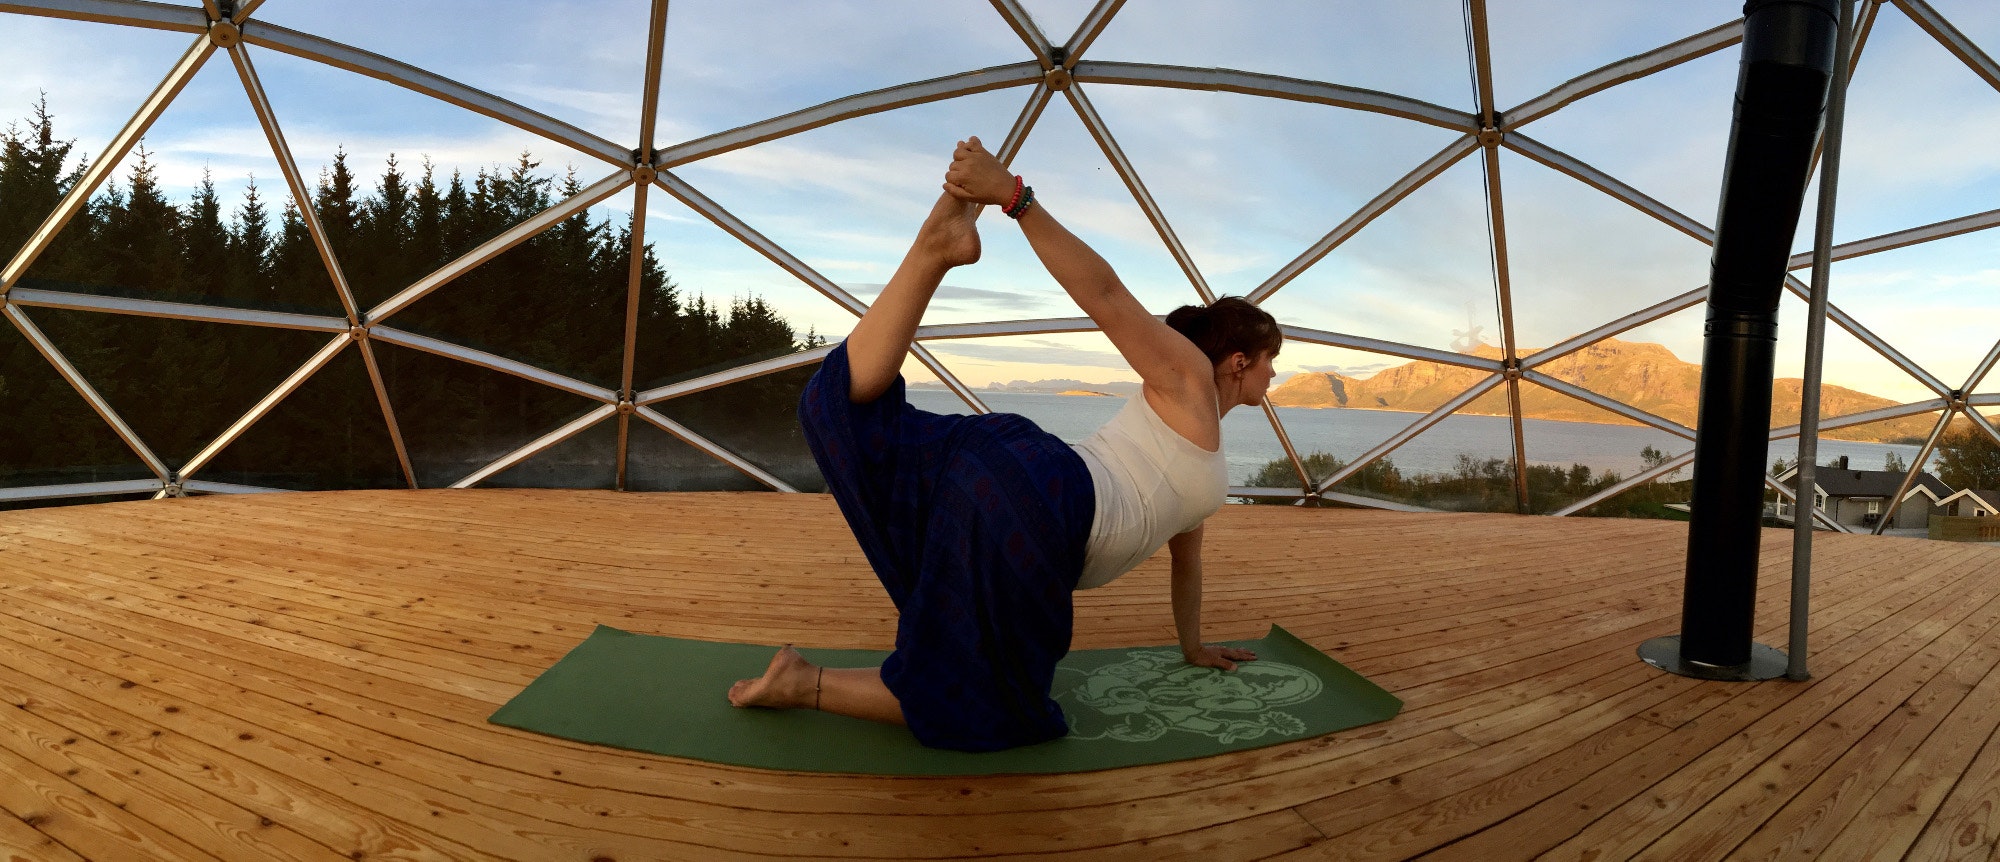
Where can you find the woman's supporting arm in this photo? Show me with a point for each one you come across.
(1186, 550)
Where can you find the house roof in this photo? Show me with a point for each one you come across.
(1987, 496)
(1867, 483)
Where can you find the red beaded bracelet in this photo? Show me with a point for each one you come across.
(1018, 185)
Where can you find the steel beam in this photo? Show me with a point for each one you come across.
(1046, 326)
(849, 107)
(734, 375)
(1952, 40)
(1603, 182)
(388, 412)
(1030, 112)
(1285, 441)
(1116, 155)
(264, 406)
(1389, 348)
(1980, 371)
(81, 489)
(1901, 238)
(38, 298)
(635, 275)
(205, 487)
(709, 448)
(949, 379)
(329, 52)
(501, 364)
(260, 102)
(1880, 414)
(1088, 29)
(151, 16)
(1615, 406)
(1490, 137)
(1024, 26)
(107, 161)
(537, 446)
(1274, 86)
(1418, 427)
(649, 100)
(1415, 179)
(243, 12)
(75, 379)
(1631, 68)
(1916, 465)
(492, 248)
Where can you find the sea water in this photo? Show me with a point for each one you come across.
(1249, 441)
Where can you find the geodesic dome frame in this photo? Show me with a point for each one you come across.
(1052, 69)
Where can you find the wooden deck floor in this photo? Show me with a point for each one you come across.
(307, 676)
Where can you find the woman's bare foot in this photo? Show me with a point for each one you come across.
(949, 233)
(788, 683)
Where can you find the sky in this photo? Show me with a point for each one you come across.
(1247, 183)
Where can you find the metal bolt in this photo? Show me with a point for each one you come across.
(224, 34)
(1490, 138)
(1058, 79)
(644, 175)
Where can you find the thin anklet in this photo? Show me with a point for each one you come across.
(816, 682)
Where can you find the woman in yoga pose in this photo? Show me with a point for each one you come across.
(980, 527)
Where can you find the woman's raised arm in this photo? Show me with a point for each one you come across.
(1164, 359)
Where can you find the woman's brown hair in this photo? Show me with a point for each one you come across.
(1226, 326)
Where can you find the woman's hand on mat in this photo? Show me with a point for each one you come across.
(1223, 657)
(975, 175)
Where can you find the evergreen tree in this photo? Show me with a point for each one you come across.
(1967, 458)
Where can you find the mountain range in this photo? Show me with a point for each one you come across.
(1644, 375)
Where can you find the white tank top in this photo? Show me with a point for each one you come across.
(1150, 484)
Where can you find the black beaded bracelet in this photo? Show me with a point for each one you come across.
(1027, 200)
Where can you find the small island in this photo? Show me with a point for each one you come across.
(1086, 392)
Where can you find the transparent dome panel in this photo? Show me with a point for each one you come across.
(52, 436)
(1335, 42)
(178, 383)
(1910, 96)
(1856, 375)
(1576, 449)
(330, 434)
(1617, 131)
(711, 303)
(72, 86)
(731, 63)
(1936, 302)
(1578, 257)
(1249, 182)
(557, 301)
(756, 420)
(1419, 274)
(403, 183)
(457, 418)
(581, 65)
(588, 459)
(1539, 45)
(659, 461)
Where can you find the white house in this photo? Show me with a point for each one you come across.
(1859, 498)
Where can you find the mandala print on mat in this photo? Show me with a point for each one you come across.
(1153, 692)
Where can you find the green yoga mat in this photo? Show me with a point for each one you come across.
(1125, 706)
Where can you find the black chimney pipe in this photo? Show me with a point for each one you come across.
(1781, 92)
